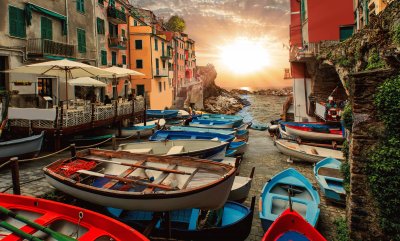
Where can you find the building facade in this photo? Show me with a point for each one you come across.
(364, 9)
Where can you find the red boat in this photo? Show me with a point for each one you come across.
(291, 226)
(29, 218)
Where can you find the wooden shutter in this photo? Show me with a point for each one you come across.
(46, 28)
(123, 59)
(81, 41)
(104, 57)
(17, 22)
(114, 58)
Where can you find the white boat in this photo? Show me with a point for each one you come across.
(284, 134)
(306, 152)
(241, 188)
(205, 149)
(313, 135)
(143, 130)
(142, 182)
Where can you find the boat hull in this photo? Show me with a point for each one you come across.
(330, 182)
(185, 135)
(240, 189)
(24, 147)
(240, 147)
(212, 126)
(166, 114)
(143, 132)
(312, 135)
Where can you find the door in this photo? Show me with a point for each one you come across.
(3, 66)
(140, 90)
(46, 28)
(45, 87)
(114, 58)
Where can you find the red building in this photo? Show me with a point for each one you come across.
(312, 23)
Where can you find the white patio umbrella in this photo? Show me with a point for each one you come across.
(61, 68)
(86, 81)
(118, 72)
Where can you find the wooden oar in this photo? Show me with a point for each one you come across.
(126, 180)
(18, 232)
(141, 166)
(56, 235)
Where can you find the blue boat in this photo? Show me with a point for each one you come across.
(239, 146)
(330, 179)
(166, 114)
(230, 153)
(275, 198)
(198, 129)
(237, 120)
(232, 223)
(183, 135)
(212, 124)
(138, 130)
(259, 127)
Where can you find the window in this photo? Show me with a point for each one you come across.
(135, 23)
(80, 6)
(123, 33)
(100, 26)
(114, 58)
(157, 66)
(101, 2)
(160, 86)
(113, 29)
(156, 44)
(138, 44)
(104, 57)
(163, 64)
(45, 87)
(162, 48)
(164, 86)
(81, 40)
(17, 22)
(345, 32)
(46, 28)
(123, 59)
(139, 64)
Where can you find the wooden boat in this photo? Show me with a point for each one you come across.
(330, 179)
(259, 127)
(21, 148)
(239, 133)
(317, 125)
(211, 124)
(142, 182)
(275, 197)
(283, 134)
(291, 226)
(309, 133)
(237, 120)
(239, 146)
(230, 153)
(166, 114)
(30, 218)
(232, 223)
(143, 130)
(205, 149)
(241, 188)
(192, 135)
(306, 152)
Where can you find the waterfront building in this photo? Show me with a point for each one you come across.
(190, 59)
(364, 9)
(313, 24)
(179, 61)
(148, 48)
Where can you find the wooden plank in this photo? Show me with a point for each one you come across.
(160, 179)
(124, 174)
(190, 178)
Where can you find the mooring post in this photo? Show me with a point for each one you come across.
(15, 176)
(114, 142)
(72, 148)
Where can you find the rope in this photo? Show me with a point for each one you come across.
(126, 138)
(94, 145)
(45, 156)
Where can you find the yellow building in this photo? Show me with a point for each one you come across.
(149, 55)
(377, 6)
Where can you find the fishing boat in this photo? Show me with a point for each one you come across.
(275, 197)
(205, 149)
(143, 130)
(232, 223)
(231, 153)
(319, 134)
(306, 152)
(259, 127)
(240, 134)
(21, 148)
(239, 146)
(165, 114)
(290, 226)
(241, 188)
(211, 124)
(316, 125)
(193, 135)
(237, 120)
(142, 182)
(330, 179)
(30, 218)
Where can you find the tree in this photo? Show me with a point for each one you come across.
(176, 24)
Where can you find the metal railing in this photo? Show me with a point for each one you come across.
(40, 46)
(299, 53)
(116, 14)
(119, 42)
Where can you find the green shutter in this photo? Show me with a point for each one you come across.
(303, 10)
(346, 32)
(46, 28)
(100, 26)
(123, 59)
(80, 5)
(156, 44)
(123, 32)
(101, 2)
(81, 41)
(17, 22)
(114, 58)
(111, 3)
(104, 57)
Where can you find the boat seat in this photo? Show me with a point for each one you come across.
(330, 172)
(271, 197)
(142, 150)
(175, 150)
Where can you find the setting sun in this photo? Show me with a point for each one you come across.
(244, 56)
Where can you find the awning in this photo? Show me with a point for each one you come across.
(29, 7)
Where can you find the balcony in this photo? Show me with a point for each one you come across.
(44, 47)
(116, 16)
(161, 73)
(117, 42)
(166, 56)
(308, 51)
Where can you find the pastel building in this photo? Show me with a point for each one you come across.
(363, 9)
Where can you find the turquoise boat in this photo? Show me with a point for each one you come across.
(212, 124)
(330, 179)
(274, 198)
(166, 114)
(237, 120)
(192, 135)
(259, 127)
(239, 146)
(240, 134)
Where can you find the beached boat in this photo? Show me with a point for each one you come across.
(143, 130)
(31, 218)
(290, 226)
(240, 134)
(275, 197)
(142, 182)
(239, 146)
(306, 152)
(165, 114)
(193, 135)
(205, 149)
(258, 127)
(22, 148)
(211, 124)
(231, 153)
(90, 140)
(330, 179)
(310, 133)
(237, 120)
(232, 223)
(241, 188)
(316, 125)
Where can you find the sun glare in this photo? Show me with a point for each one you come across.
(244, 56)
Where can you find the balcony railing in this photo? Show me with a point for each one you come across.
(42, 47)
(309, 50)
(117, 42)
(115, 15)
(161, 73)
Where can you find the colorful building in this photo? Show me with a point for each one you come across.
(190, 59)
(313, 23)
(364, 9)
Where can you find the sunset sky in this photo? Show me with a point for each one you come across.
(243, 39)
